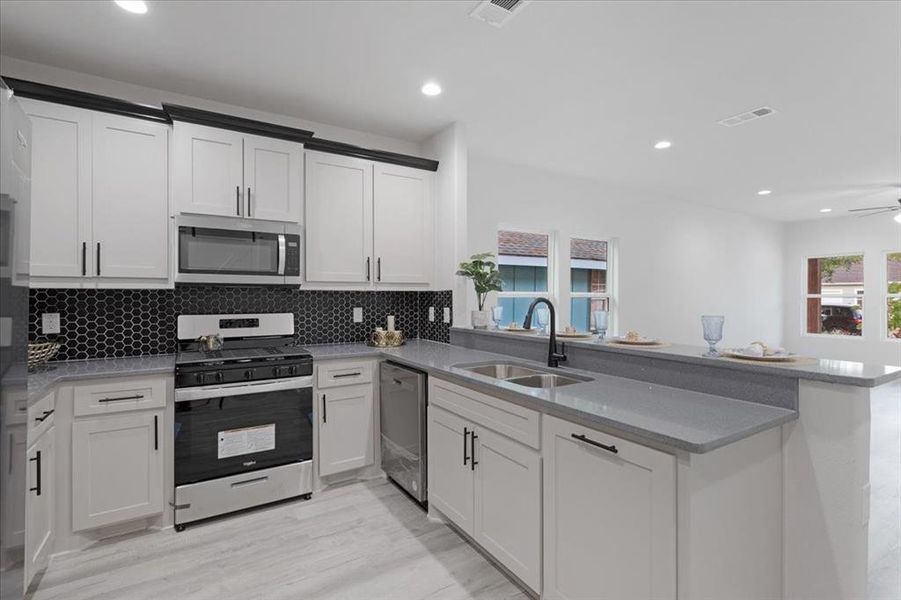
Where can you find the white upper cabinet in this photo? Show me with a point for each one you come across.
(99, 196)
(368, 223)
(403, 231)
(338, 218)
(60, 189)
(227, 173)
(130, 192)
(272, 176)
(209, 173)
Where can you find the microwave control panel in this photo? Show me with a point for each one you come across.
(292, 254)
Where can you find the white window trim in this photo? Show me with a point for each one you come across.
(609, 265)
(886, 296)
(805, 296)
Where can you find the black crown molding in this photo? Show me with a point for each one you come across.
(51, 93)
(393, 158)
(214, 119)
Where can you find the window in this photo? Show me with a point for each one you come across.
(588, 281)
(835, 295)
(525, 265)
(893, 295)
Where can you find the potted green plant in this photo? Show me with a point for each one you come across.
(482, 269)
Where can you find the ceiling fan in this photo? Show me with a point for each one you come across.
(878, 210)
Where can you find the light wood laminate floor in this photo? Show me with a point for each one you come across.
(362, 541)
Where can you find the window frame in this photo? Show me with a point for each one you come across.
(805, 296)
(551, 264)
(886, 296)
(607, 295)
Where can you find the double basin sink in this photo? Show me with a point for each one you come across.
(531, 377)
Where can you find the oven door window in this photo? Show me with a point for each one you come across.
(226, 251)
(217, 437)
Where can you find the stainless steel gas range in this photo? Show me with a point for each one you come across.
(243, 415)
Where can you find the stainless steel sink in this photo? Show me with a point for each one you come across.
(524, 376)
(545, 380)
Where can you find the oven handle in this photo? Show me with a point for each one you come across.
(281, 254)
(242, 389)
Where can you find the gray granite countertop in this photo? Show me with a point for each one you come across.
(818, 369)
(53, 373)
(664, 415)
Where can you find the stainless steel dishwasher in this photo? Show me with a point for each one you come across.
(402, 403)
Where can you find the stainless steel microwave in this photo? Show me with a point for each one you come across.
(237, 252)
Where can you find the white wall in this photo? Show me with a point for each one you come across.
(873, 236)
(675, 261)
(21, 69)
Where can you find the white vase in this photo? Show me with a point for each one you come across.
(480, 319)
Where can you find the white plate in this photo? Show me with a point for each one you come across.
(518, 330)
(576, 335)
(768, 358)
(638, 342)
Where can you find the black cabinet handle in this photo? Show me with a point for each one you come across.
(37, 459)
(238, 200)
(98, 259)
(342, 375)
(582, 438)
(378, 269)
(466, 433)
(472, 450)
(248, 201)
(84, 259)
(324, 415)
(156, 432)
(368, 276)
(120, 398)
(44, 417)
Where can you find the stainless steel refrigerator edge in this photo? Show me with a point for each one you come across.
(15, 189)
(402, 408)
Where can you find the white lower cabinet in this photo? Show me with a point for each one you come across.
(609, 516)
(490, 487)
(40, 493)
(345, 428)
(117, 468)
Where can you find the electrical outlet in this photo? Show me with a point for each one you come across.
(50, 323)
(432, 314)
(446, 315)
(358, 314)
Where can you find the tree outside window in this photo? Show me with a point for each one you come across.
(893, 295)
(835, 295)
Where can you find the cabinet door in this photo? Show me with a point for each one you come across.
(209, 170)
(60, 190)
(345, 429)
(609, 517)
(338, 218)
(117, 469)
(508, 504)
(130, 197)
(272, 179)
(39, 504)
(403, 230)
(450, 467)
(12, 487)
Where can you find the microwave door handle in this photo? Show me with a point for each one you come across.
(281, 254)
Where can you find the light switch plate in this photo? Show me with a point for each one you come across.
(49, 323)
(358, 314)
(446, 315)
(432, 314)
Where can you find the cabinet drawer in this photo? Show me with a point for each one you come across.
(40, 416)
(343, 373)
(514, 421)
(120, 395)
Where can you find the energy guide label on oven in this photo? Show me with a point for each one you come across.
(235, 442)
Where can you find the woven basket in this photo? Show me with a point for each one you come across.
(41, 352)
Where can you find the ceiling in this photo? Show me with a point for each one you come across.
(584, 88)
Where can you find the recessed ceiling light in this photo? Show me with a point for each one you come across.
(139, 7)
(764, 192)
(825, 210)
(898, 218)
(663, 144)
(430, 88)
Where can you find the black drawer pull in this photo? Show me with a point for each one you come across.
(84, 259)
(156, 432)
(342, 375)
(582, 438)
(466, 433)
(368, 271)
(44, 416)
(37, 459)
(98, 259)
(238, 200)
(324, 419)
(119, 399)
(472, 450)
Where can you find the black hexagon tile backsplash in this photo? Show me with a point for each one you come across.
(119, 323)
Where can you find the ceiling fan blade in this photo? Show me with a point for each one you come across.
(878, 212)
(873, 208)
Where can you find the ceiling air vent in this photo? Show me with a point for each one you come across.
(757, 113)
(497, 12)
